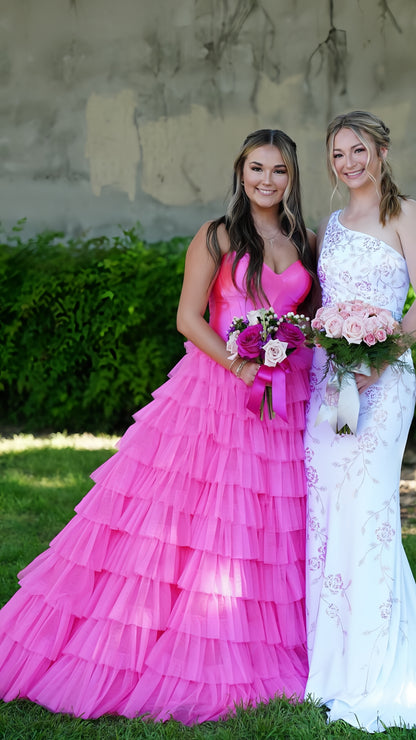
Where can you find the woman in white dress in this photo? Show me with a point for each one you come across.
(361, 594)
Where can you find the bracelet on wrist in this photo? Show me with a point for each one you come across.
(240, 367)
(236, 359)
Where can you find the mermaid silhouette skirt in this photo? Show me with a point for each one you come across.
(361, 594)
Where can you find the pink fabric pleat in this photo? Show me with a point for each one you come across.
(177, 589)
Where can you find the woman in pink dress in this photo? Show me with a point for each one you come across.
(178, 587)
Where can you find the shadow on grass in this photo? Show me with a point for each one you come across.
(40, 488)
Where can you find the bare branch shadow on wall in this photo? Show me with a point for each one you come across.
(229, 29)
(330, 57)
(387, 13)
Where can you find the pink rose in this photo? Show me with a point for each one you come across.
(386, 320)
(358, 308)
(334, 583)
(353, 329)
(343, 309)
(317, 324)
(344, 313)
(291, 334)
(329, 312)
(372, 324)
(333, 326)
(369, 339)
(249, 342)
(380, 335)
(319, 312)
(323, 313)
(274, 352)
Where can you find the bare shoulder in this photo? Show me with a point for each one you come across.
(405, 225)
(408, 209)
(200, 240)
(203, 231)
(221, 233)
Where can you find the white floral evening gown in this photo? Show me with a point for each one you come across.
(361, 594)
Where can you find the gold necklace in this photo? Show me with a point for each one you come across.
(269, 239)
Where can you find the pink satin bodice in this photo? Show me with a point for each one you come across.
(285, 291)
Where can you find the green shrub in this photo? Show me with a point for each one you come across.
(89, 327)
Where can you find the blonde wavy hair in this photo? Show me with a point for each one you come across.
(368, 127)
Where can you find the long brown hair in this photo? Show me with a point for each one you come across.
(243, 235)
(367, 126)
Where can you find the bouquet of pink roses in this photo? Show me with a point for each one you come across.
(353, 332)
(264, 337)
(357, 337)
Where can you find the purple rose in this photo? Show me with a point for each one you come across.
(249, 342)
(291, 334)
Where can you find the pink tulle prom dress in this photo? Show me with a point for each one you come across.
(178, 587)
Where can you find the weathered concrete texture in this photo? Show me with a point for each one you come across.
(112, 113)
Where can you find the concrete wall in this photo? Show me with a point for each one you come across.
(117, 112)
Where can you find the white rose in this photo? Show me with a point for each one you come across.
(274, 352)
(253, 317)
(232, 345)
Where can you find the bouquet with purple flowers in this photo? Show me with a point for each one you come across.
(268, 339)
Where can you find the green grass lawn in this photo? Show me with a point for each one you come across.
(39, 486)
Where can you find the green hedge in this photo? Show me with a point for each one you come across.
(88, 327)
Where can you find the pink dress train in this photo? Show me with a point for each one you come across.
(178, 587)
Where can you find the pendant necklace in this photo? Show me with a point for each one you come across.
(269, 239)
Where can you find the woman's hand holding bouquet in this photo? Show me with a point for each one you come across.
(265, 338)
(357, 337)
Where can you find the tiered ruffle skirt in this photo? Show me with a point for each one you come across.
(178, 587)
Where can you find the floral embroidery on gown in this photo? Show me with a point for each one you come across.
(178, 587)
(360, 592)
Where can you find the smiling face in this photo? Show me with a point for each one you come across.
(265, 176)
(354, 163)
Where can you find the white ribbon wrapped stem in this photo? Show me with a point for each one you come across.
(345, 410)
